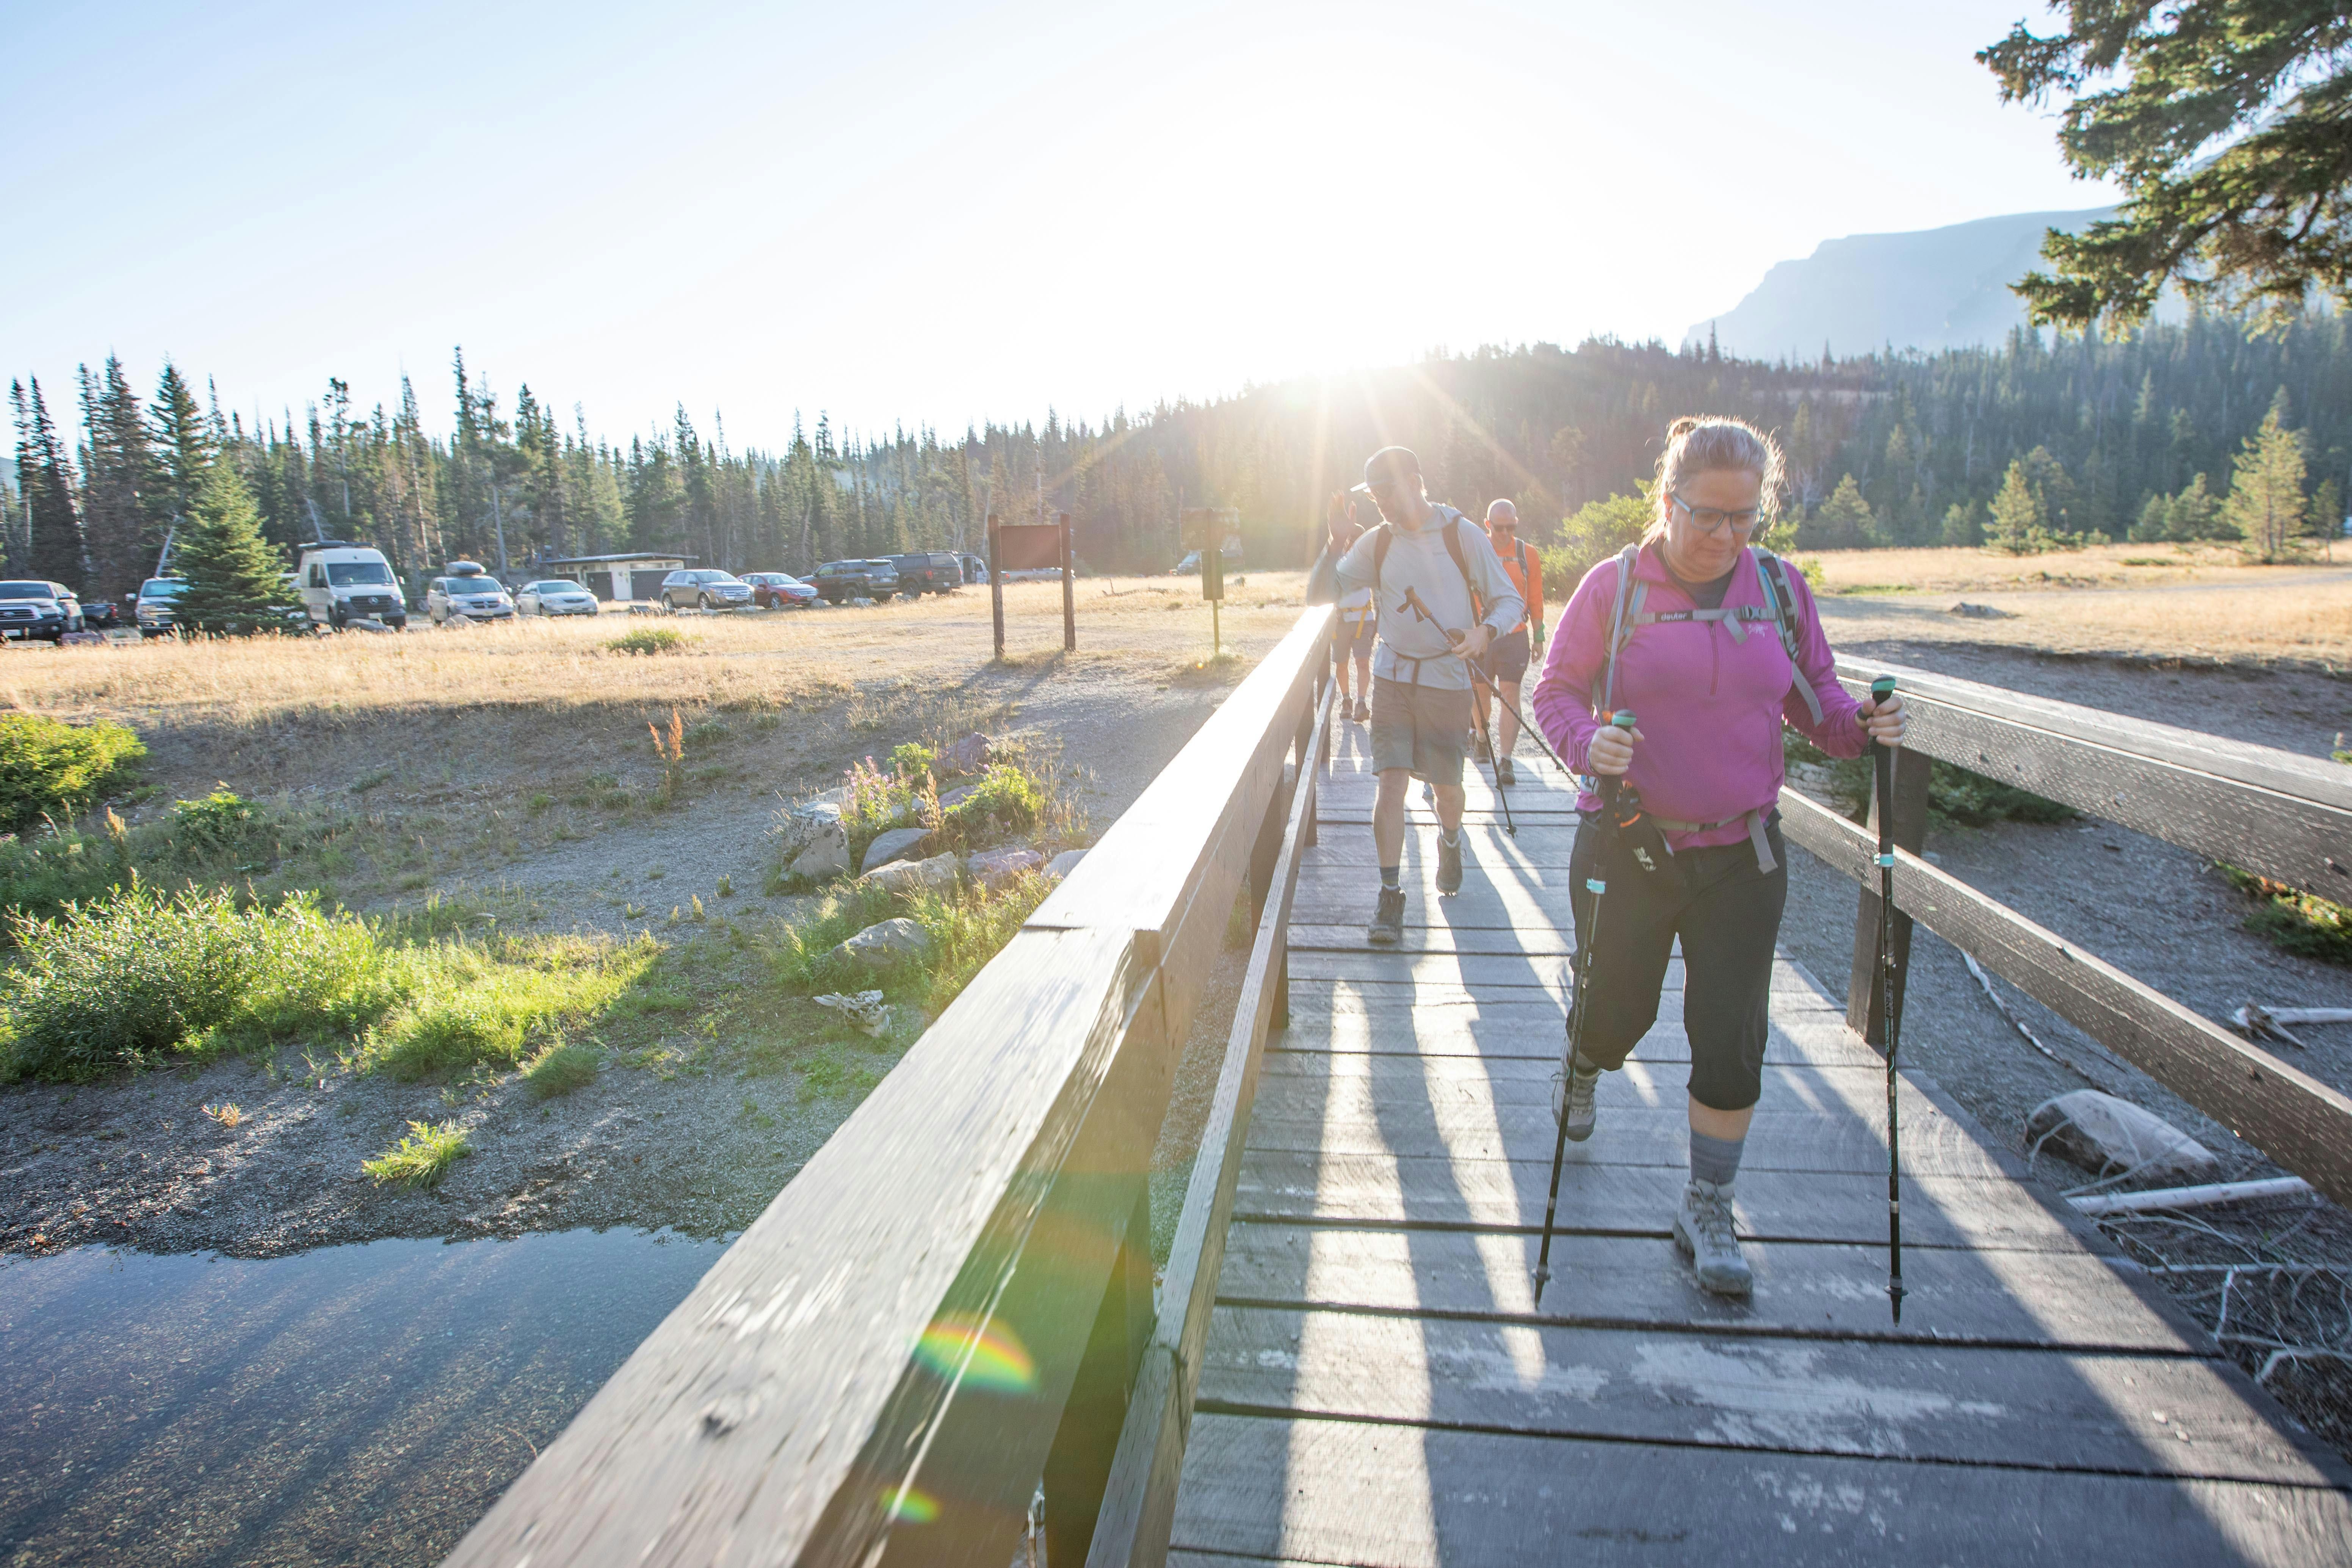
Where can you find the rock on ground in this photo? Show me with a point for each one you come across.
(815, 845)
(1064, 863)
(993, 868)
(968, 756)
(906, 877)
(2101, 1132)
(896, 938)
(895, 845)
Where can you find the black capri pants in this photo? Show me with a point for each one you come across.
(1728, 914)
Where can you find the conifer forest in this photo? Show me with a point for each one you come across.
(2126, 437)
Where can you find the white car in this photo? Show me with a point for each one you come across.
(470, 592)
(554, 597)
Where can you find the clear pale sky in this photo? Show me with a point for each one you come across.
(905, 210)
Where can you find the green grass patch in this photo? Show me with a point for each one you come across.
(49, 769)
(2295, 921)
(648, 640)
(968, 926)
(562, 1068)
(494, 1004)
(422, 1158)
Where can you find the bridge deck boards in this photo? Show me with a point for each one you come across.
(1380, 1387)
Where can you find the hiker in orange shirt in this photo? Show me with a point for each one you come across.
(1506, 663)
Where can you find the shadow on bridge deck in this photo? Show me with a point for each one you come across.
(1380, 1389)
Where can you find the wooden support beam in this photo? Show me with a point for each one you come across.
(2278, 814)
(1864, 1010)
(2292, 1117)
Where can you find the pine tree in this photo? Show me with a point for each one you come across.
(2327, 518)
(1842, 523)
(2016, 513)
(116, 466)
(184, 446)
(45, 481)
(2265, 503)
(2195, 512)
(236, 586)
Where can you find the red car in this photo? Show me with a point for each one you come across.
(779, 590)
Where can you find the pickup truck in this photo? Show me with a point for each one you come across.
(838, 581)
(940, 572)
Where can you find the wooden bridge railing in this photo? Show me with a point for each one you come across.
(2281, 816)
(953, 1296)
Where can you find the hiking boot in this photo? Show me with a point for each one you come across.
(1504, 773)
(1480, 749)
(1571, 1100)
(1387, 920)
(1449, 865)
(1702, 1233)
(1363, 711)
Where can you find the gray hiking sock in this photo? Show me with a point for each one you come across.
(1715, 1160)
(1449, 836)
(1388, 875)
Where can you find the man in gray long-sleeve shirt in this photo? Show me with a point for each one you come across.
(1421, 679)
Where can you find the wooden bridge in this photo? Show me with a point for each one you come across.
(1342, 1362)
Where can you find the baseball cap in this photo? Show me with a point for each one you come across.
(1389, 462)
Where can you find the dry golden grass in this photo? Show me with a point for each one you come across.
(1943, 571)
(729, 662)
(2263, 616)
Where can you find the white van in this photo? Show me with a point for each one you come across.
(342, 583)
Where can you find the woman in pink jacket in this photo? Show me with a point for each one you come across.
(1716, 645)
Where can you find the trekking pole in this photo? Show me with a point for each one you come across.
(1890, 981)
(1588, 938)
(1413, 602)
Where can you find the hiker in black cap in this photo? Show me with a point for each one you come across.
(1439, 595)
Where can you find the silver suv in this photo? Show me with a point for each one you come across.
(704, 589)
(475, 594)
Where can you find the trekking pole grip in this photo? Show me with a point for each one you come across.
(1880, 690)
(1624, 719)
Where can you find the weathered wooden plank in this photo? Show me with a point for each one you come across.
(1299, 1082)
(2284, 816)
(1781, 1206)
(2064, 1299)
(1263, 1491)
(1799, 1139)
(1139, 1499)
(1505, 942)
(2136, 1415)
(2297, 1120)
(979, 1187)
(1432, 969)
(1346, 855)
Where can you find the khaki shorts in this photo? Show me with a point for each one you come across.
(1423, 728)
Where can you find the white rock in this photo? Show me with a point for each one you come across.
(892, 938)
(863, 1008)
(904, 878)
(957, 795)
(994, 868)
(814, 844)
(895, 845)
(1064, 863)
(2103, 1134)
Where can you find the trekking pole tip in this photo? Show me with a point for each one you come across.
(1895, 1294)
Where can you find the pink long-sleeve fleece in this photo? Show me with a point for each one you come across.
(1709, 705)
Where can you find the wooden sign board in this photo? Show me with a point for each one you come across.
(1029, 546)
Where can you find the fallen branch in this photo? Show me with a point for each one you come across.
(2257, 1022)
(2018, 1023)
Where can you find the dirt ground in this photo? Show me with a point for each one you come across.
(514, 761)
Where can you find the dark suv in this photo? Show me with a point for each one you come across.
(935, 574)
(38, 609)
(837, 581)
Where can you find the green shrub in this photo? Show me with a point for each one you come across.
(421, 1158)
(648, 640)
(49, 768)
(2296, 922)
(913, 759)
(215, 822)
(137, 975)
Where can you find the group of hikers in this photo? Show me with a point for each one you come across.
(1665, 689)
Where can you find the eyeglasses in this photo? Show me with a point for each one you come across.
(1711, 520)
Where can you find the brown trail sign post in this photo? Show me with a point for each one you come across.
(1032, 547)
(1206, 528)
